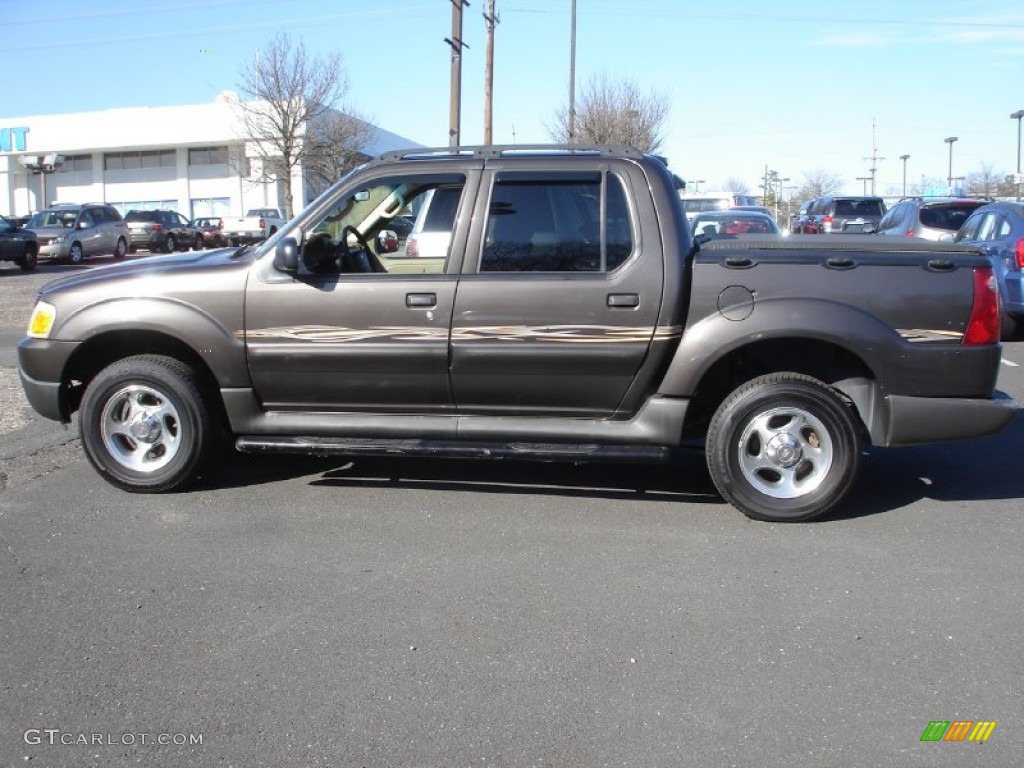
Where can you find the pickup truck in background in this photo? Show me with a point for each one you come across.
(256, 226)
(572, 318)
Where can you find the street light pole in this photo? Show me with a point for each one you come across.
(1020, 181)
(904, 158)
(950, 140)
(696, 184)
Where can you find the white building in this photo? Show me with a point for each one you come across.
(193, 159)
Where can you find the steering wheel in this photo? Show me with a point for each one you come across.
(371, 263)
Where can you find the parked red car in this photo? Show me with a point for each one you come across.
(211, 230)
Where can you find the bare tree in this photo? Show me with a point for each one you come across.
(985, 182)
(736, 186)
(614, 113)
(818, 183)
(284, 90)
(334, 145)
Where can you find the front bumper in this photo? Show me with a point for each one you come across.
(54, 250)
(41, 363)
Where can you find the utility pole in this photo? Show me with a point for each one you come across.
(455, 110)
(491, 20)
(874, 159)
(572, 76)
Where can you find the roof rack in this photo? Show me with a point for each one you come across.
(483, 152)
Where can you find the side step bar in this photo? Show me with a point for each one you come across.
(348, 446)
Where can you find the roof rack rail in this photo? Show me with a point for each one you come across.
(507, 150)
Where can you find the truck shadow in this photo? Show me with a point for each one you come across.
(890, 479)
(987, 469)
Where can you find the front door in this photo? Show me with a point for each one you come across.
(345, 333)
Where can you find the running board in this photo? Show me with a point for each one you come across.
(455, 449)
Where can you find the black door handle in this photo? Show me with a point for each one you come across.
(421, 300)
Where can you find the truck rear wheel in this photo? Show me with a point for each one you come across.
(145, 425)
(783, 448)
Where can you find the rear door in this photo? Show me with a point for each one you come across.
(560, 297)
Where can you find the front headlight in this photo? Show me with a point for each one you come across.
(59, 239)
(43, 316)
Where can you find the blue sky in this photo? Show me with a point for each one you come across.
(794, 85)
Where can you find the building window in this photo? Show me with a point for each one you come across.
(75, 163)
(211, 206)
(208, 156)
(150, 158)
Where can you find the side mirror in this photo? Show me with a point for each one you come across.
(387, 241)
(286, 256)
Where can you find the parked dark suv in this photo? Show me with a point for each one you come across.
(840, 215)
(928, 218)
(161, 230)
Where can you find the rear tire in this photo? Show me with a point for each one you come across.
(784, 448)
(121, 249)
(169, 244)
(1009, 328)
(145, 425)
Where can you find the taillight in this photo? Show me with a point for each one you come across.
(826, 223)
(909, 233)
(156, 227)
(983, 325)
(263, 223)
(1020, 253)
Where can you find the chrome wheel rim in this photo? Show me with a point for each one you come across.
(140, 428)
(785, 453)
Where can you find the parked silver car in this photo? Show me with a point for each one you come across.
(72, 232)
(928, 218)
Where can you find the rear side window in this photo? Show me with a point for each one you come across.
(574, 223)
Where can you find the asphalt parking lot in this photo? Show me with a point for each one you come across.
(294, 611)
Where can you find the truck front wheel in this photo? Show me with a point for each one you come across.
(145, 425)
(783, 448)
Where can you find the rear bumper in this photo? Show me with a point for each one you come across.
(914, 420)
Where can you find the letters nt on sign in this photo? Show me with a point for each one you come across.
(13, 139)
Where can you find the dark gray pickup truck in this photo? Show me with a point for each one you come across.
(563, 313)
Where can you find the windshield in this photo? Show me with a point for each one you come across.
(44, 219)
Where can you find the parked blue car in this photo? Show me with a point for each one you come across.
(998, 230)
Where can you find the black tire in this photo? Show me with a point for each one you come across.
(121, 249)
(28, 260)
(75, 254)
(1008, 328)
(169, 244)
(145, 424)
(784, 448)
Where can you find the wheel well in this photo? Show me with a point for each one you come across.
(97, 353)
(826, 362)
